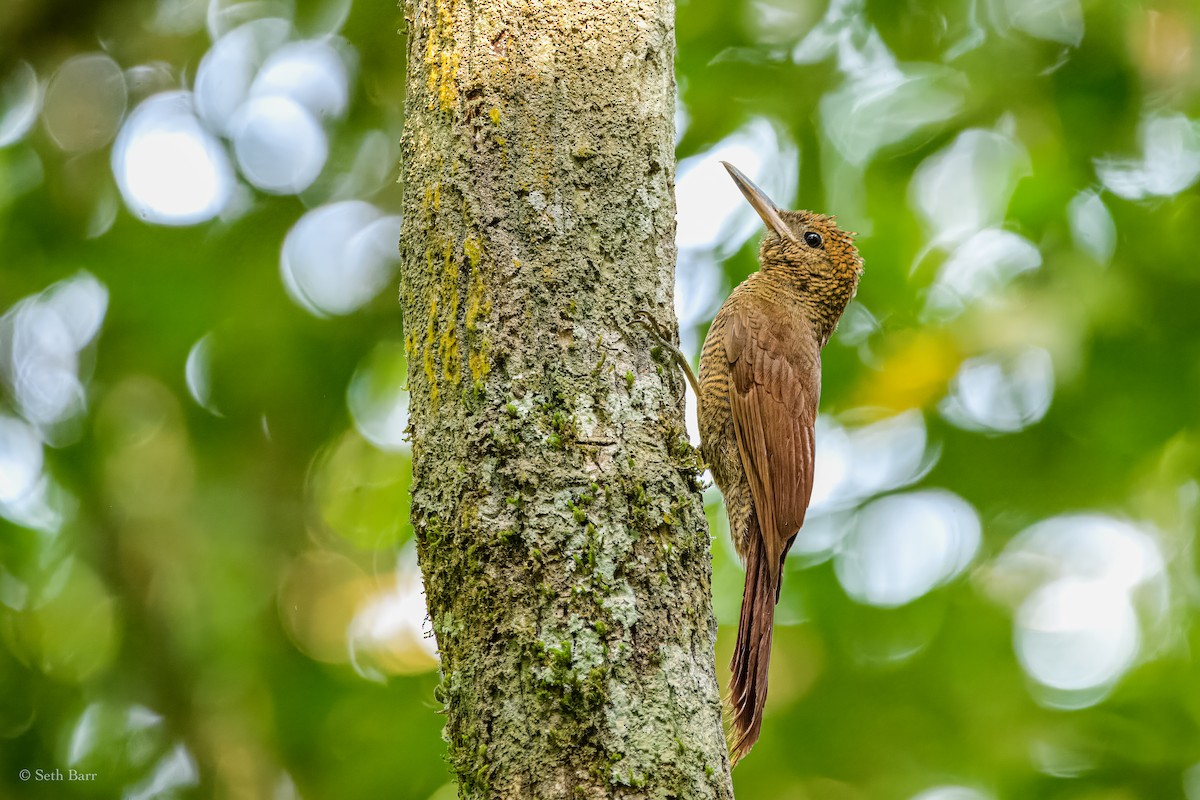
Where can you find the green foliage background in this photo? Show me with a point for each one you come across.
(196, 596)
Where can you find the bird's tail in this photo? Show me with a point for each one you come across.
(752, 654)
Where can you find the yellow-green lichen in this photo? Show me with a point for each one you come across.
(451, 360)
(494, 115)
(427, 361)
(441, 58)
(444, 349)
(478, 362)
(473, 250)
(449, 287)
(477, 306)
(433, 199)
(477, 303)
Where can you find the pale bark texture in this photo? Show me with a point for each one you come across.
(559, 524)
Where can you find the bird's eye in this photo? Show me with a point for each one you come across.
(812, 239)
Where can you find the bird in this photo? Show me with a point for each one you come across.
(758, 392)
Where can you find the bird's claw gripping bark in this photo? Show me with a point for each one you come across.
(656, 329)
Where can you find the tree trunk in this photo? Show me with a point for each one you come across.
(559, 524)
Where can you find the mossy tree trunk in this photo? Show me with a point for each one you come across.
(559, 526)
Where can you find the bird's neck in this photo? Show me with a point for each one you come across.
(820, 300)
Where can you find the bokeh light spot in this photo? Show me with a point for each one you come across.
(20, 459)
(868, 459)
(362, 493)
(388, 636)
(170, 170)
(108, 733)
(339, 256)
(1071, 581)
(313, 73)
(903, 546)
(175, 771)
(1053, 20)
(20, 101)
(1092, 226)
(1076, 635)
(84, 103)
(951, 793)
(966, 186)
(40, 340)
(378, 397)
(197, 372)
(72, 632)
(318, 597)
(1001, 394)
(885, 106)
(225, 73)
(1169, 163)
(280, 147)
(979, 269)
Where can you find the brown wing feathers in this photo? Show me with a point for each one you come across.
(773, 401)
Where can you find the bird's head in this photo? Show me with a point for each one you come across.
(806, 247)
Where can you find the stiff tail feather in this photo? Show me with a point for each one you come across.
(752, 654)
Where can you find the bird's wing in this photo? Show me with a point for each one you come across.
(776, 371)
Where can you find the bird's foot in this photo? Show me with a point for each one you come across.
(664, 337)
(656, 328)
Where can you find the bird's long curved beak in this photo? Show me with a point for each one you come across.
(760, 202)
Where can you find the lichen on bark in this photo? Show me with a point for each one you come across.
(559, 525)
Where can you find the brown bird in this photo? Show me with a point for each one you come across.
(760, 382)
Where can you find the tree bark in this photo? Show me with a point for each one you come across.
(559, 525)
